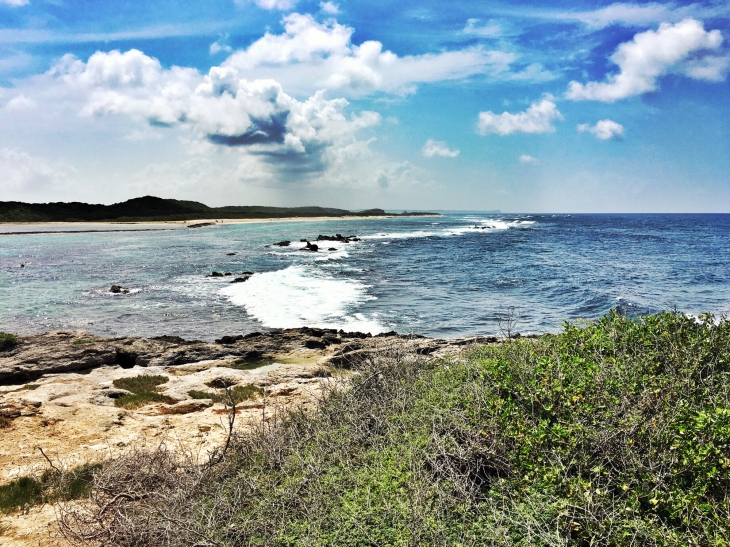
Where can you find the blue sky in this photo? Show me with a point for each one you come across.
(519, 106)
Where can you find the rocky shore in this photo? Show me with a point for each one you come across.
(58, 393)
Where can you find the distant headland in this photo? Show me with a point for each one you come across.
(154, 209)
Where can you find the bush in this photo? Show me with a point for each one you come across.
(612, 433)
(7, 341)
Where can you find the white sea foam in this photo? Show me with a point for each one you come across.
(332, 255)
(303, 296)
(474, 225)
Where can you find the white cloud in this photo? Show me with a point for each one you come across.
(20, 102)
(490, 30)
(15, 3)
(438, 148)
(538, 118)
(21, 171)
(310, 55)
(527, 159)
(652, 54)
(227, 111)
(329, 7)
(282, 5)
(633, 15)
(603, 130)
(220, 46)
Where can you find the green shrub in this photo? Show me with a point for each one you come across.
(7, 341)
(51, 487)
(612, 433)
(19, 493)
(82, 341)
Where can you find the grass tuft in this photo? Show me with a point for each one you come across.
(82, 341)
(238, 393)
(7, 341)
(144, 391)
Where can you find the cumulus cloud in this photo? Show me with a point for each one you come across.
(538, 118)
(527, 159)
(220, 107)
(15, 3)
(329, 7)
(310, 55)
(220, 45)
(438, 148)
(603, 130)
(20, 102)
(673, 48)
(21, 171)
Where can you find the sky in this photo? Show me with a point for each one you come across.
(536, 107)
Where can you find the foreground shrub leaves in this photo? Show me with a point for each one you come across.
(611, 433)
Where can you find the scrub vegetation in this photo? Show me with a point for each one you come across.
(7, 341)
(144, 391)
(611, 433)
(52, 486)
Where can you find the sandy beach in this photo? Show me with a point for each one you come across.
(18, 228)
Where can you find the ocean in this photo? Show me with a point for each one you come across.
(448, 276)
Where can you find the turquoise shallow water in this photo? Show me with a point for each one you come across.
(446, 276)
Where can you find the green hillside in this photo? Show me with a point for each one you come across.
(151, 208)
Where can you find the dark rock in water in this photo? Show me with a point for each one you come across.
(240, 279)
(284, 243)
(215, 274)
(22, 265)
(338, 237)
(200, 225)
(246, 273)
(386, 334)
(331, 249)
(302, 240)
(118, 289)
(229, 339)
(228, 273)
(312, 247)
(230, 254)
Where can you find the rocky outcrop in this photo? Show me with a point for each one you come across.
(338, 237)
(68, 351)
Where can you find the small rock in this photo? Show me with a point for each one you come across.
(284, 243)
(228, 273)
(240, 279)
(215, 274)
(230, 254)
(118, 289)
(312, 247)
(246, 273)
(331, 249)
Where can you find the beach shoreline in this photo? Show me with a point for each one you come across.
(159, 225)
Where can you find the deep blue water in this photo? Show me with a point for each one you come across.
(444, 276)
